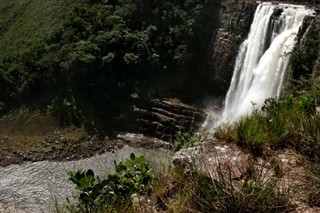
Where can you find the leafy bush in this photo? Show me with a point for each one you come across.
(114, 194)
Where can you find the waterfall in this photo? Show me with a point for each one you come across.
(262, 60)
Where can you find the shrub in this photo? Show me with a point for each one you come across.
(249, 132)
(114, 194)
(279, 113)
(66, 111)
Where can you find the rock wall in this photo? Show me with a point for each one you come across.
(316, 67)
(235, 20)
(164, 118)
(305, 58)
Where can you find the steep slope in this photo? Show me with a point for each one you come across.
(23, 23)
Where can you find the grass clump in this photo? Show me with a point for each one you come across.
(134, 188)
(196, 192)
(314, 184)
(251, 132)
(290, 121)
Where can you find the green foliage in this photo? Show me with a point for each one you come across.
(104, 50)
(250, 131)
(287, 121)
(24, 23)
(114, 194)
(183, 140)
(65, 109)
(304, 57)
(258, 191)
(278, 115)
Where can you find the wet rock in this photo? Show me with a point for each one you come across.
(60, 150)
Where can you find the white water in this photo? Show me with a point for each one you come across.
(262, 61)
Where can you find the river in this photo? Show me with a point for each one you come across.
(35, 186)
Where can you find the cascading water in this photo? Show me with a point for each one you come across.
(262, 60)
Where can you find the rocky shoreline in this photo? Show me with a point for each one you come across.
(95, 146)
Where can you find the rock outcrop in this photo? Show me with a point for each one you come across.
(211, 154)
(235, 20)
(163, 118)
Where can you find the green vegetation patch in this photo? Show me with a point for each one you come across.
(24, 23)
(103, 51)
(290, 121)
(116, 193)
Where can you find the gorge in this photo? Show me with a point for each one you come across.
(255, 40)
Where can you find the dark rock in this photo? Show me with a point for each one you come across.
(163, 118)
(235, 22)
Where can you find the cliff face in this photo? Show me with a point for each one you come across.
(234, 25)
(235, 20)
(316, 68)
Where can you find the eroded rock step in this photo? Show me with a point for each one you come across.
(163, 118)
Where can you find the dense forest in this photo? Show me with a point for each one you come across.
(99, 55)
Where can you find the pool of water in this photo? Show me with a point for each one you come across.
(35, 186)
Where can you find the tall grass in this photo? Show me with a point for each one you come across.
(195, 192)
(251, 131)
(314, 184)
(285, 122)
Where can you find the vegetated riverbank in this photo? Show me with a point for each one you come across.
(34, 135)
(28, 135)
(265, 162)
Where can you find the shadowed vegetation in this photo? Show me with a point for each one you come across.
(97, 54)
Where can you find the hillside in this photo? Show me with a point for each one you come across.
(24, 23)
(116, 48)
(81, 67)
